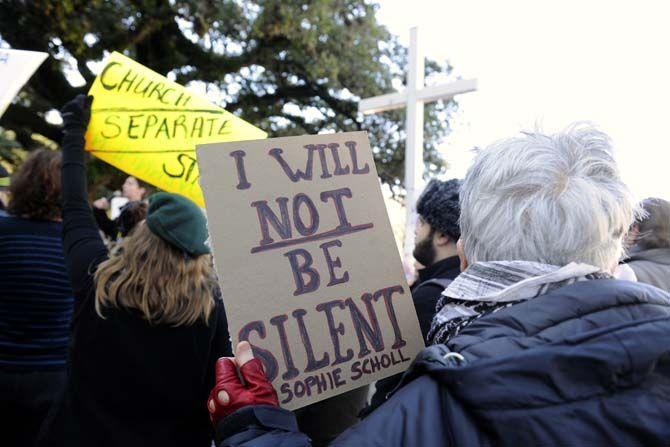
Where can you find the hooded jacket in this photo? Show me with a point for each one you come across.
(587, 364)
(652, 267)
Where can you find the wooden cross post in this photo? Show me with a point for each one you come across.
(413, 98)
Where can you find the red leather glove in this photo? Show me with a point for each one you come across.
(256, 390)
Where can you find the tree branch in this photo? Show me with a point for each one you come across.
(280, 94)
(21, 119)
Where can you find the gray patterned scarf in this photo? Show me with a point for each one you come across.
(487, 287)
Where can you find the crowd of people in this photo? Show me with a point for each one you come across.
(113, 331)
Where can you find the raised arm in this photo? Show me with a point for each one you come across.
(82, 244)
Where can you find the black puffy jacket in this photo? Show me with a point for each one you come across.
(587, 364)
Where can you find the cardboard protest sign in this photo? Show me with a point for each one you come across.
(16, 67)
(309, 269)
(148, 126)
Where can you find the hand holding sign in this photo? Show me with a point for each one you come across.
(148, 127)
(307, 261)
(230, 393)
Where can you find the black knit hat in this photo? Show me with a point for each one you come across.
(439, 207)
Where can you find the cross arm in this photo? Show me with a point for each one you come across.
(444, 91)
(382, 103)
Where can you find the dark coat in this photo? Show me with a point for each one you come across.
(130, 383)
(587, 364)
(426, 293)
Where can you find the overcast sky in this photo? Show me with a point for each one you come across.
(554, 62)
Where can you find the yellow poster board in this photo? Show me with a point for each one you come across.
(148, 126)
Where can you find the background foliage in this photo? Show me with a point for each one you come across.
(288, 66)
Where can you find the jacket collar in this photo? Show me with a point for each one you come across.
(560, 314)
(440, 269)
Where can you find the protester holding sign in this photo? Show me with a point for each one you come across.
(146, 318)
(537, 343)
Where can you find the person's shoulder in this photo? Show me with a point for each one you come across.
(602, 296)
(559, 315)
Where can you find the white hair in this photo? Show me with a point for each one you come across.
(553, 199)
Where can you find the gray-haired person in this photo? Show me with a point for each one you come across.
(650, 253)
(535, 342)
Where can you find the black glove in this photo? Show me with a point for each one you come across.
(76, 114)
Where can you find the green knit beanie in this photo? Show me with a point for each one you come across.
(179, 222)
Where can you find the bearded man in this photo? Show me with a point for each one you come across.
(435, 237)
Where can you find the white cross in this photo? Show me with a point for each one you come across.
(414, 97)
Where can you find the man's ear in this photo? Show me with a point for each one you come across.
(441, 239)
(461, 255)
